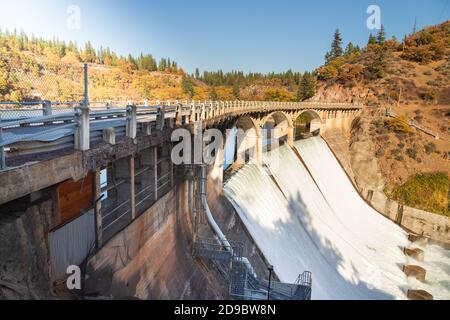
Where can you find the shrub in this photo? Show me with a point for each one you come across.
(430, 95)
(398, 124)
(418, 119)
(279, 95)
(430, 148)
(425, 191)
(412, 153)
(327, 72)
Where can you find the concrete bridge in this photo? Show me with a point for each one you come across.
(85, 174)
(26, 131)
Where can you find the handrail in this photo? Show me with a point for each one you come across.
(34, 135)
(83, 115)
(38, 119)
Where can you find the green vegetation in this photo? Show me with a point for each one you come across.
(398, 124)
(213, 94)
(278, 96)
(220, 78)
(427, 45)
(307, 87)
(187, 86)
(428, 192)
(37, 69)
(374, 61)
(336, 48)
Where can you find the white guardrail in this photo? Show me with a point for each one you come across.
(31, 127)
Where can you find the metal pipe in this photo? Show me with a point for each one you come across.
(222, 239)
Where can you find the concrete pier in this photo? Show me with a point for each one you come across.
(415, 272)
(416, 253)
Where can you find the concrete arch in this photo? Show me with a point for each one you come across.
(279, 119)
(246, 123)
(277, 127)
(312, 113)
(307, 122)
(246, 137)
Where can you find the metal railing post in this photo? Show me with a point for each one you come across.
(82, 130)
(160, 117)
(131, 126)
(46, 108)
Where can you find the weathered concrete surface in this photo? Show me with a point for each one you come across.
(19, 182)
(415, 271)
(24, 264)
(152, 258)
(27, 178)
(419, 295)
(416, 253)
(362, 169)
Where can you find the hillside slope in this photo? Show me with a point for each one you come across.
(412, 79)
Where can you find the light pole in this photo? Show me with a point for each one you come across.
(270, 268)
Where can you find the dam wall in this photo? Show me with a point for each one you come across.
(420, 222)
(152, 257)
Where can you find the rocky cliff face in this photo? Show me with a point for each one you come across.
(361, 152)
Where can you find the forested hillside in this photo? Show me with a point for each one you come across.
(34, 69)
(412, 77)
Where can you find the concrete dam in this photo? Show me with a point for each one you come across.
(98, 189)
(304, 213)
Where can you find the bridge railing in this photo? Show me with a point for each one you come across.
(45, 121)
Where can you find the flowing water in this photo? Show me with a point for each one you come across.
(308, 216)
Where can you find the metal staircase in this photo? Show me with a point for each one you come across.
(228, 257)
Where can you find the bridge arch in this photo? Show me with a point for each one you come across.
(277, 126)
(242, 141)
(247, 123)
(306, 123)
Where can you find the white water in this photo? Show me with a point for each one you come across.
(352, 251)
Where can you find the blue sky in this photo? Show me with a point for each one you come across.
(249, 35)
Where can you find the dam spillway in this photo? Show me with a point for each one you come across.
(304, 214)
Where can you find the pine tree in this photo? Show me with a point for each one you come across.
(372, 39)
(307, 87)
(336, 48)
(351, 49)
(89, 54)
(197, 73)
(381, 36)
